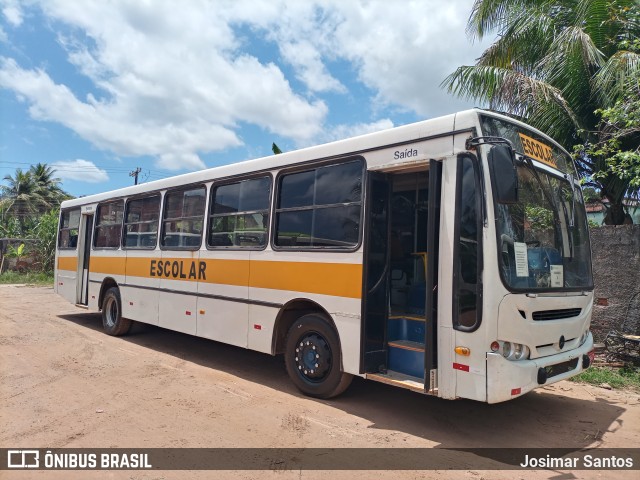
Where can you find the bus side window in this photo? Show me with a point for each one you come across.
(108, 229)
(69, 224)
(468, 250)
(239, 214)
(320, 208)
(141, 222)
(183, 219)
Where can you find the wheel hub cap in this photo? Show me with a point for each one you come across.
(313, 356)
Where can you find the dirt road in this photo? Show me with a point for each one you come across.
(64, 383)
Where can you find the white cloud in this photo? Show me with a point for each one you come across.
(341, 132)
(80, 170)
(174, 81)
(12, 12)
(402, 50)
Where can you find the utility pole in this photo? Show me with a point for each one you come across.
(135, 174)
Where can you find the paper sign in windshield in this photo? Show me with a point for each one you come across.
(522, 262)
(538, 150)
(557, 276)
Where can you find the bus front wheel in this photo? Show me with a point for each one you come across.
(313, 358)
(112, 320)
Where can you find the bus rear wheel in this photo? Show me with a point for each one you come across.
(112, 320)
(313, 358)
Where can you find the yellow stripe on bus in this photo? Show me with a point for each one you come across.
(107, 265)
(336, 279)
(67, 263)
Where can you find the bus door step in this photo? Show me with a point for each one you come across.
(398, 379)
(406, 345)
(406, 357)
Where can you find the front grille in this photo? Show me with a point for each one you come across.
(560, 368)
(556, 314)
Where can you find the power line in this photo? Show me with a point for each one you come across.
(109, 168)
(135, 174)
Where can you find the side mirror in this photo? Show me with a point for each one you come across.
(502, 164)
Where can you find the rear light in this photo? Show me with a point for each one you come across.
(495, 346)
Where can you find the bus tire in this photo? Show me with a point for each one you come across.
(112, 320)
(313, 358)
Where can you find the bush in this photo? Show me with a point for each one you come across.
(45, 233)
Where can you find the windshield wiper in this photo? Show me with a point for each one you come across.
(569, 179)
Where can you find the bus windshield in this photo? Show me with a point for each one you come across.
(543, 239)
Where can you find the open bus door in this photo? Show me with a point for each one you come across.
(399, 324)
(375, 299)
(84, 254)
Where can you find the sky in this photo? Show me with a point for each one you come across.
(97, 89)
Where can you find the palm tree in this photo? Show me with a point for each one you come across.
(562, 65)
(20, 198)
(50, 191)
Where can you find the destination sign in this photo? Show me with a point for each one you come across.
(537, 150)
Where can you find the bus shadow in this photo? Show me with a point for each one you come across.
(540, 419)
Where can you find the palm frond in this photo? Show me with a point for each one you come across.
(506, 90)
(569, 65)
(490, 15)
(594, 16)
(525, 41)
(613, 79)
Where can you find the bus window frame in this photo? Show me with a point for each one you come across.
(307, 166)
(163, 211)
(480, 215)
(60, 228)
(230, 181)
(96, 225)
(153, 193)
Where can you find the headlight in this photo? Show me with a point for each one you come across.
(521, 352)
(512, 351)
(584, 336)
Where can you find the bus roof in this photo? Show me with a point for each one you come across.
(351, 146)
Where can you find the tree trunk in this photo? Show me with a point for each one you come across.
(616, 215)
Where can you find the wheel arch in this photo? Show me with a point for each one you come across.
(287, 316)
(107, 283)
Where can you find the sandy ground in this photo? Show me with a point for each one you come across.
(64, 383)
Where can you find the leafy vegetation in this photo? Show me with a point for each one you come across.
(29, 209)
(572, 69)
(625, 377)
(26, 196)
(29, 278)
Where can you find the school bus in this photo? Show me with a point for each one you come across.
(450, 257)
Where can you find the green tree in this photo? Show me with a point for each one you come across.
(26, 196)
(20, 198)
(570, 68)
(45, 235)
(50, 191)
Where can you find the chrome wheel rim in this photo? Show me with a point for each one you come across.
(111, 312)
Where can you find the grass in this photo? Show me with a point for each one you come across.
(625, 377)
(40, 279)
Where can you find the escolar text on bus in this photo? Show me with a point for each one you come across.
(178, 269)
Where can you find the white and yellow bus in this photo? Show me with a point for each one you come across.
(450, 257)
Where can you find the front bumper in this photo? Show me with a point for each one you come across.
(508, 379)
